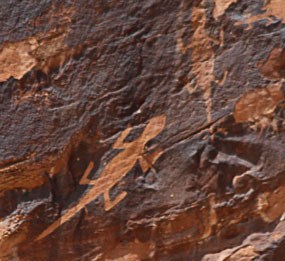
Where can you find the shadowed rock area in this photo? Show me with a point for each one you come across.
(142, 130)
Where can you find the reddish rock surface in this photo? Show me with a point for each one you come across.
(142, 130)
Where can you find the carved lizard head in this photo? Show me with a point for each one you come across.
(154, 127)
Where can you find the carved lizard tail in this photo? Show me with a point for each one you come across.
(84, 201)
(49, 230)
(64, 218)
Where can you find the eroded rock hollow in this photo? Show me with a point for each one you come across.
(142, 130)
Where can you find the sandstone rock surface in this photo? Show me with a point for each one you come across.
(142, 130)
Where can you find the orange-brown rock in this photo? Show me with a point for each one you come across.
(142, 130)
(274, 66)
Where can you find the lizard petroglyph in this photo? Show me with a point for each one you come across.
(115, 170)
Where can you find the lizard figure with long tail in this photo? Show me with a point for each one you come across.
(115, 170)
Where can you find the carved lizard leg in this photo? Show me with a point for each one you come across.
(111, 203)
(119, 144)
(145, 165)
(147, 161)
(84, 180)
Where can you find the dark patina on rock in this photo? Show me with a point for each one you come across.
(142, 130)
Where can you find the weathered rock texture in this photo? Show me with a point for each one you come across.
(142, 130)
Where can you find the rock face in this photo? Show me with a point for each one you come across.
(142, 130)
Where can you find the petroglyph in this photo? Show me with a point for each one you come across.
(273, 8)
(44, 51)
(221, 6)
(202, 55)
(115, 170)
(16, 60)
(258, 106)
